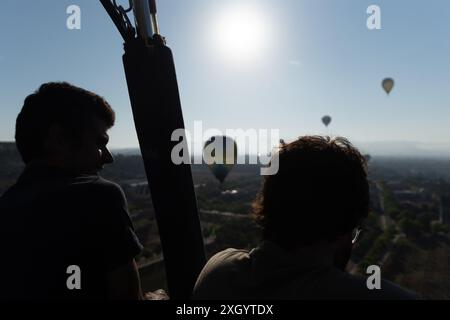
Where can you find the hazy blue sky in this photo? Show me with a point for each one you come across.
(315, 57)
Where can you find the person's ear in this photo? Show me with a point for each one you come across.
(345, 238)
(55, 143)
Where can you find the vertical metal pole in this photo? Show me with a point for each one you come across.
(153, 89)
(156, 106)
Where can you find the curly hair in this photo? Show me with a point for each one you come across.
(57, 103)
(321, 191)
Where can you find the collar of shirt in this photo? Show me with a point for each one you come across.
(274, 257)
(40, 171)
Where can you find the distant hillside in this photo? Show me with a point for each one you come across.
(126, 151)
(9, 157)
(410, 149)
(8, 147)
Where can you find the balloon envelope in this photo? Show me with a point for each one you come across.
(388, 84)
(326, 120)
(220, 153)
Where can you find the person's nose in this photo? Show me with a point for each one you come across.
(107, 156)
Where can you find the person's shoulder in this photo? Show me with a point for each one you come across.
(227, 257)
(225, 261)
(94, 180)
(98, 186)
(392, 291)
(214, 280)
(108, 185)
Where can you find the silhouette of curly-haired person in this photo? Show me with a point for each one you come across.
(61, 213)
(309, 212)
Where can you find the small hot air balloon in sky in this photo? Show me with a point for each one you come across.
(220, 153)
(326, 120)
(388, 84)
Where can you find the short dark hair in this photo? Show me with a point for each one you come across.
(57, 103)
(321, 191)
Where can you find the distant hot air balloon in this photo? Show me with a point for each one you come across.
(326, 120)
(220, 153)
(388, 84)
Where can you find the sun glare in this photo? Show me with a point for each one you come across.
(240, 33)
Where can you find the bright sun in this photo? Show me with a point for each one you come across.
(240, 34)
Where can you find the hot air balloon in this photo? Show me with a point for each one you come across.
(388, 84)
(220, 153)
(326, 120)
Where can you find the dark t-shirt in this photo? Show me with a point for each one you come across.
(270, 272)
(51, 220)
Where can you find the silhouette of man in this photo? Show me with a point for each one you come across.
(61, 213)
(309, 212)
